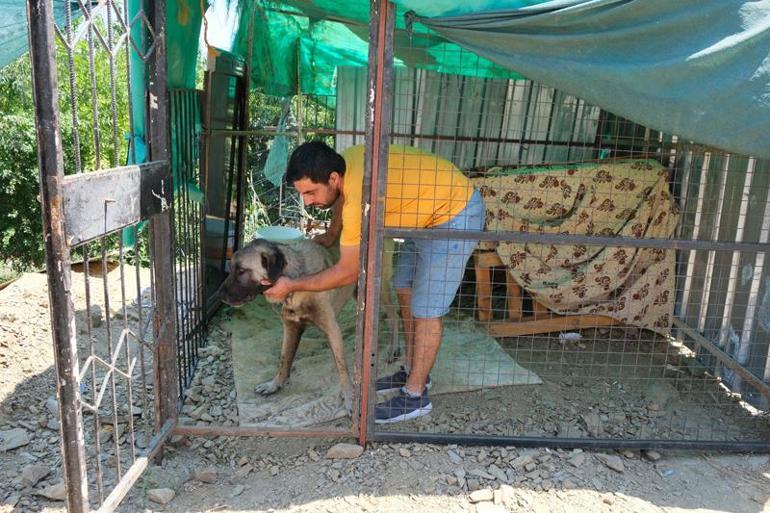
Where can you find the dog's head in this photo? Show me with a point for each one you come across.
(254, 269)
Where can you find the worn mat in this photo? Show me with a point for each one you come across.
(628, 198)
(469, 359)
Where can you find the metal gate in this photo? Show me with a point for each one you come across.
(105, 174)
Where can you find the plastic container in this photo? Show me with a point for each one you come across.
(278, 233)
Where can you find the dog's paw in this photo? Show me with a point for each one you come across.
(269, 387)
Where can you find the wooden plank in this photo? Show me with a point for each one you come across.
(550, 325)
(483, 288)
(102, 202)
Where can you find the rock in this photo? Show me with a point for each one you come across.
(206, 475)
(53, 424)
(344, 451)
(454, 457)
(313, 455)
(32, 474)
(593, 423)
(578, 459)
(480, 473)
(215, 411)
(55, 492)
(612, 461)
(497, 472)
(658, 394)
(629, 454)
(161, 495)
(521, 461)
(12, 500)
(237, 490)
(243, 471)
(208, 381)
(95, 313)
(404, 452)
(568, 484)
(651, 455)
(13, 439)
(488, 507)
(608, 498)
(507, 495)
(481, 495)
(52, 405)
(451, 480)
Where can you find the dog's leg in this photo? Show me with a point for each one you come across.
(327, 322)
(292, 332)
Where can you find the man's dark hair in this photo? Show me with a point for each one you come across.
(314, 160)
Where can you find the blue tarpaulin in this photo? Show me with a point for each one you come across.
(699, 69)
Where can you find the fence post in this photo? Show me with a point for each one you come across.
(162, 230)
(51, 171)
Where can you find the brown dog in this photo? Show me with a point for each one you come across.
(261, 263)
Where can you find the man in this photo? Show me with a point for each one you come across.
(423, 191)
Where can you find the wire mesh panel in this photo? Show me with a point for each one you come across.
(616, 296)
(118, 303)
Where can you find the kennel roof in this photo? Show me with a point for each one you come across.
(699, 69)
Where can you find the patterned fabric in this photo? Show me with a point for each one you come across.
(612, 198)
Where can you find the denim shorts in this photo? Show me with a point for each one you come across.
(434, 268)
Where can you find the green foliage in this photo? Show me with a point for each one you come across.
(100, 141)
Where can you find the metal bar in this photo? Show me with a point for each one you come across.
(712, 254)
(184, 430)
(378, 118)
(559, 239)
(164, 313)
(724, 358)
(270, 132)
(732, 283)
(134, 472)
(585, 443)
(51, 170)
(690, 269)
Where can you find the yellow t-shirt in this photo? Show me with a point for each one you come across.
(422, 191)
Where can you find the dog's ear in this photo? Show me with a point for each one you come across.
(276, 264)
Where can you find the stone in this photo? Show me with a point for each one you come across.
(593, 423)
(206, 475)
(344, 451)
(237, 490)
(313, 455)
(651, 455)
(488, 507)
(95, 313)
(497, 472)
(482, 495)
(507, 495)
(13, 439)
(243, 471)
(659, 394)
(12, 500)
(629, 454)
(521, 461)
(612, 461)
(404, 452)
(578, 459)
(482, 474)
(52, 405)
(608, 498)
(161, 495)
(454, 457)
(32, 474)
(451, 480)
(55, 492)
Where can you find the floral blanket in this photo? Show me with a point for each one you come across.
(628, 198)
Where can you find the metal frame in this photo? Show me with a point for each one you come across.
(152, 194)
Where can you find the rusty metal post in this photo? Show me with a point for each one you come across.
(161, 231)
(51, 170)
(378, 118)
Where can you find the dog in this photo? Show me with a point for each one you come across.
(257, 266)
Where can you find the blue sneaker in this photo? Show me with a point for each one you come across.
(402, 407)
(394, 382)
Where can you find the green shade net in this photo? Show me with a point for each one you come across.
(298, 45)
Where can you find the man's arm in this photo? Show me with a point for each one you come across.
(344, 272)
(329, 238)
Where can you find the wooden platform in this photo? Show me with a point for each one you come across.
(516, 323)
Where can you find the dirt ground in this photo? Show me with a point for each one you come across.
(295, 475)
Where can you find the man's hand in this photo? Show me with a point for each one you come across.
(280, 289)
